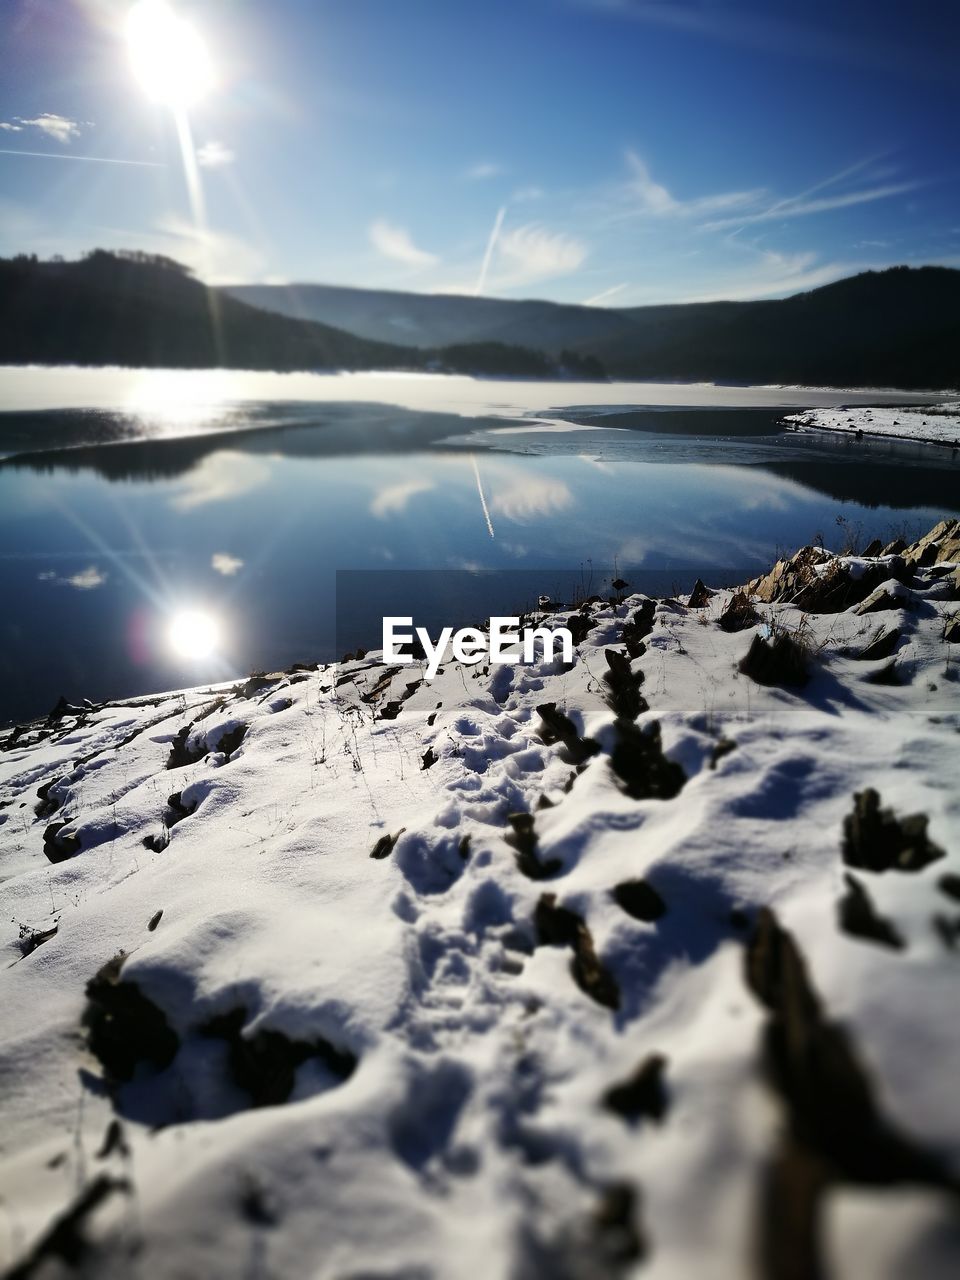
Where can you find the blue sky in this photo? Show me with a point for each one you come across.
(613, 151)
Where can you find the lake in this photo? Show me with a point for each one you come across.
(127, 497)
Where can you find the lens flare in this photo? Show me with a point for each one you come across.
(193, 634)
(169, 57)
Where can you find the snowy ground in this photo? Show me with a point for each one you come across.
(432, 1039)
(936, 424)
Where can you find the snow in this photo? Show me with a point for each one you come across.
(936, 424)
(470, 1140)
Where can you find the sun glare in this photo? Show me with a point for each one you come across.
(168, 54)
(193, 634)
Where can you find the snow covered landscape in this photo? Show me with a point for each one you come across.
(931, 423)
(644, 963)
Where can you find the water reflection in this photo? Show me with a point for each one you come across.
(101, 546)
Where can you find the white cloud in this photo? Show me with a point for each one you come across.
(219, 478)
(225, 563)
(60, 128)
(652, 198)
(87, 579)
(10, 127)
(801, 208)
(483, 170)
(215, 256)
(530, 497)
(392, 500)
(214, 155)
(395, 243)
(532, 252)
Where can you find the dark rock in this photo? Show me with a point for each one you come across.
(889, 674)
(780, 662)
(155, 920)
(384, 846)
(739, 615)
(524, 840)
(644, 771)
(640, 900)
(883, 645)
(699, 596)
(560, 927)
(556, 727)
(873, 549)
(949, 883)
(428, 759)
(881, 600)
(124, 1027)
(65, 1240)
(637, 627)
(616, 1238)
(59, 844)
(622, 686)
(875, 839)
(951, 632)
(722, 747)
(643, 1094)
(30, 939)
(265, 1064)
(857, 916)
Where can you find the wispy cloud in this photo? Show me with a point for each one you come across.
(397, 244)
(225, 563)
(532, 252)
(483, 170)
(60, 128)
(393, 499)
(214, 155)
(799, 208)
(87, 579)
(652, 197)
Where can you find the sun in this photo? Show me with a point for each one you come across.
(193, 634)
(168, 55)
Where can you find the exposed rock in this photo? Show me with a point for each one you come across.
(778, 662)
(875, 839)
(30, 939)
(524, 840)
(872, 549)
(881, 599)
(560, 927)
(883, 645)
(640, 900)
(384, 846)
(739, 615)
(125, 1027)
(722, 747)
(643, 1094)
(616, 1237)
(60, 842)
(65, 1239)
(700, 596)
(556, 727)
(949, 883)
(265, 1064)
(637, 627)
(951, 632)
(858, 917)
(428, 759)
(890, 674)
(817, 582)
(622, 686)
(638, 761)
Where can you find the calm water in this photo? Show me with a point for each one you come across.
(102, 543)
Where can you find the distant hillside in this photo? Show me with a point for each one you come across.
(138, 310)
(897, 327)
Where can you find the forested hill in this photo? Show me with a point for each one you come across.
(134, 309)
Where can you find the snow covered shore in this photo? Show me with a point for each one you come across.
(536, 971)
(926, 423)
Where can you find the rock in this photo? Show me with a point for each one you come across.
(558, 926)
(949, 883)
(883, 645)
(951, 631)
(873, 549)
(638, 761)
(780, 662)
(125, 1027)
(524, 840)
(556, 727)
(637, 627)
(875, 839)
(699, 596)
(622, 686)
(895, 548)
(60, 842)
(857, 916)
(878, 601)
(384, 846)
(643, 1094)
(739, 615)
(640, 900)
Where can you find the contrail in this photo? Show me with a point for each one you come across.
(56, 155)
(483, 501)
(491, 245)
